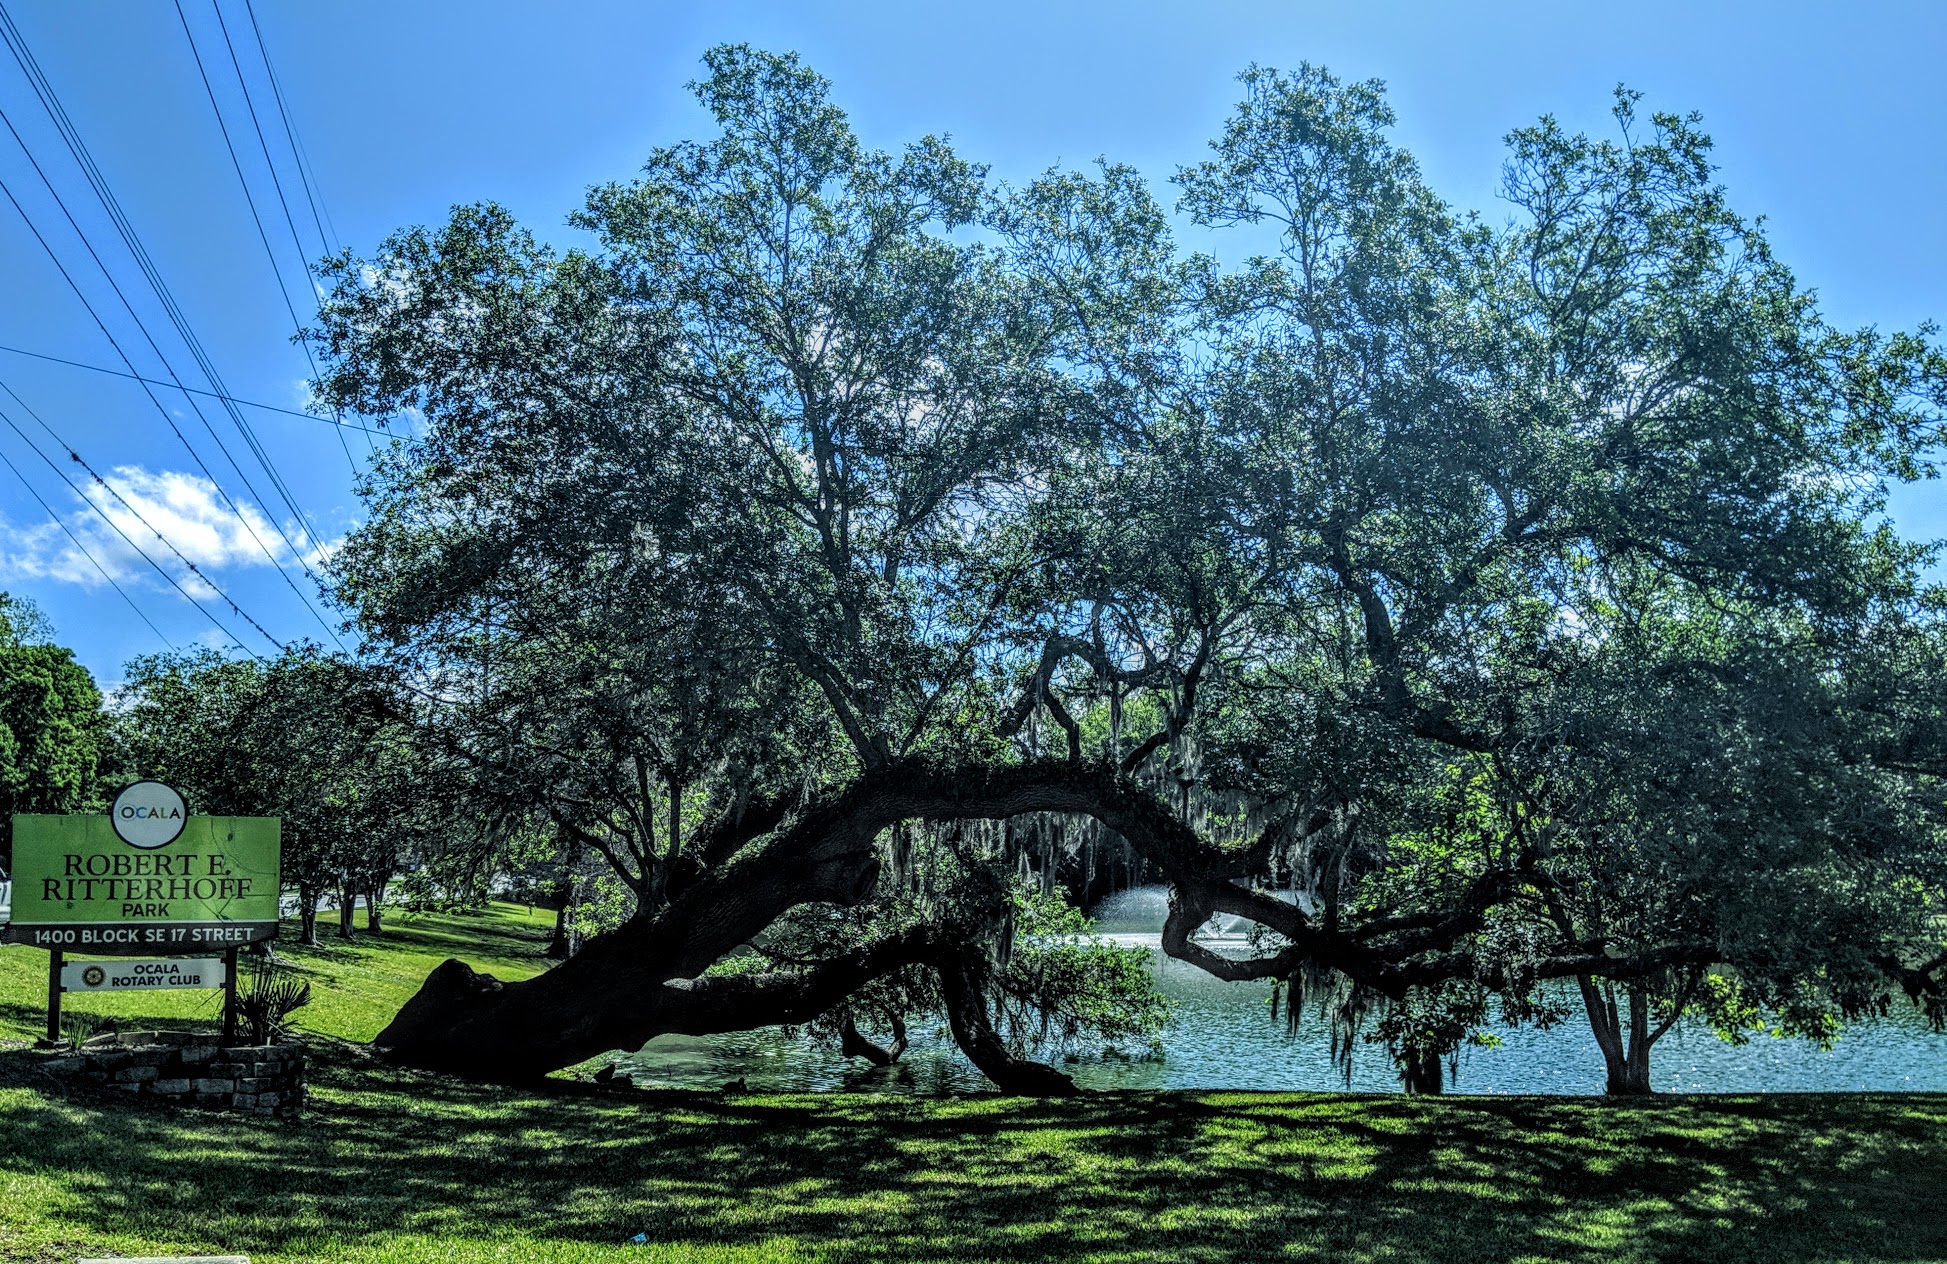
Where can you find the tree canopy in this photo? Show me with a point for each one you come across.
(1517, 598)
(50, 722)
(306, 737)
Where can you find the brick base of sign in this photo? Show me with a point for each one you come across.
(189, 1069)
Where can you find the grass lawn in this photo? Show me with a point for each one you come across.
(356, 986)
(396, 1166)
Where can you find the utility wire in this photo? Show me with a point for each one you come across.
(256, 125)
(160, 569)
(170, 421)
(156, 381)
(50, 101)
(313, 196)
(77, 148)
(275, 183)
(320, 215)
(85, 551)
(108, 487)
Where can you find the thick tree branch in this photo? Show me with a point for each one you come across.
(618, 992)
(961, 980)
(739, 1002)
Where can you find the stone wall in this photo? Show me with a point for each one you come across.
(192, 1069)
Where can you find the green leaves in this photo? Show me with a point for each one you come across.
(307, 737)
(1514, 591)
(51, 730)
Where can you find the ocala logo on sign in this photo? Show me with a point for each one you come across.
(148, 815)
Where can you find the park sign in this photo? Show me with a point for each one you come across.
(103, 884)
(148, 815)
(143, 976)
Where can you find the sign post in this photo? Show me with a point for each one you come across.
(146, 879)
(230, 997)
(54, 997)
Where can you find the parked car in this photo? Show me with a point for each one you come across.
(6, 899)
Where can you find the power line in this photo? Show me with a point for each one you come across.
(320, 214)
(191, 390)
(77, 148)
(276, 184)
(241, 517)
(250, 107)
(134, 245)
(85, 551)
(108, 487)
(313, 197)
(159, 568)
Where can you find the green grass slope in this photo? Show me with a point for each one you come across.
(356, 985)
(392, 1166)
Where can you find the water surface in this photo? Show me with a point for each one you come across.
(1223, 1036)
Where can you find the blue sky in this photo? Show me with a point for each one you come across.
(1828, 121)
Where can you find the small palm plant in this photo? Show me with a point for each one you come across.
(267, 998)
(79, 1029)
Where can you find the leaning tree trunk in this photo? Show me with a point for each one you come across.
(641, 980)
(647, 977)
(961, 980)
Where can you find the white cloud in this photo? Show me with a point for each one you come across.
(187, 510)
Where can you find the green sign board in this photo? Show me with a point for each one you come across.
(79, 886)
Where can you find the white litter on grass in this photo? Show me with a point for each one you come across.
(170, 1259)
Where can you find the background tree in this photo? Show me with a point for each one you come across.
(306, 737)
(1704, 784)
(50, 723)
(1632, 388)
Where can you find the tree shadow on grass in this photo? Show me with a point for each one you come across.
(29, 1017)
(430, 938)
(30, 1021)
(1111, 1177)
(498, 932)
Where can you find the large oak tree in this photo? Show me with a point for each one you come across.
(827, 498)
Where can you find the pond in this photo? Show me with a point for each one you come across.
(1223, 1036)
